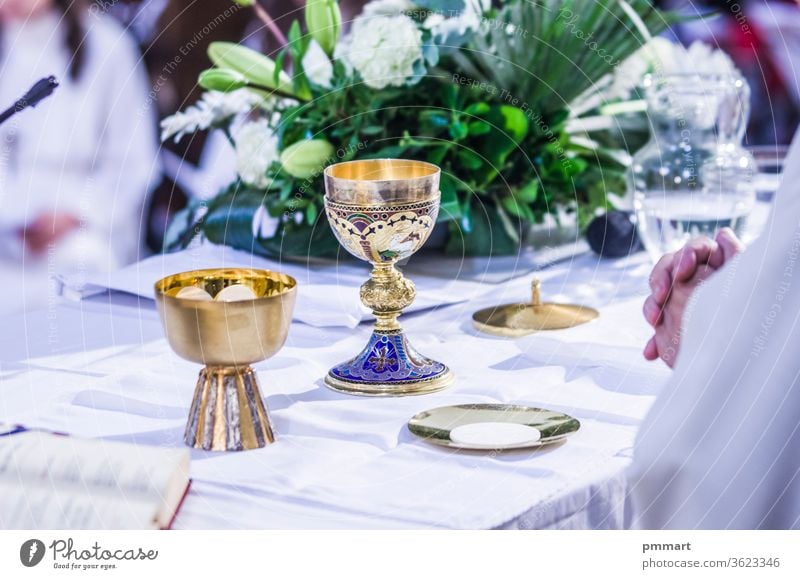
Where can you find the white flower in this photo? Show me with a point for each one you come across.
(317, 65)
(387, 7)
(183, 122)
(222, 105)
(383, 49)
(468, 20)
(662, 57)
(704, 59)
(212, 108)
(256, 150)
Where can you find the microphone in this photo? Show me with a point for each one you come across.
(37, 93)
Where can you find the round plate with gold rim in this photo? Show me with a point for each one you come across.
(436, 425)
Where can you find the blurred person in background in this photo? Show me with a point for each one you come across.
(761, 37)
(74, 171)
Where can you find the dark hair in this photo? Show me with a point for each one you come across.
(74, 33)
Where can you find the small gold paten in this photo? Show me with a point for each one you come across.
(515, 320)
(228, 412)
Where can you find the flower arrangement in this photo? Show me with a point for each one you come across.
(488, 93)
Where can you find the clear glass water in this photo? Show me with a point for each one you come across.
(668, 223)
(693, 177)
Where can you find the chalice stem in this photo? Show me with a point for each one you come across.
(388, 365)
(387, 293)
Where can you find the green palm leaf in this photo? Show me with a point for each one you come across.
(547, 53)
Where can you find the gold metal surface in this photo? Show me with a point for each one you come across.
(435, 425)
(227, 412)
(380, 182)
(407, 388)
(382, 211)
(515, 320)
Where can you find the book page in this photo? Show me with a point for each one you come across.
(41, 507)
(92, 466)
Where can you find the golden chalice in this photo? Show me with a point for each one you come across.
(382, 211)
(227, 412)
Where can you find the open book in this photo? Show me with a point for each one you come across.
(50, 481)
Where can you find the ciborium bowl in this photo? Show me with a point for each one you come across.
(383, 211)
(227, 412)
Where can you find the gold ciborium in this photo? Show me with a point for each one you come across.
(382, 211)
(227, 412)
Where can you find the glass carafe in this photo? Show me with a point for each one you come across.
(694, 176)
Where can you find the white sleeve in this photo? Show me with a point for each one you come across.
(126, 161)
(720, 447)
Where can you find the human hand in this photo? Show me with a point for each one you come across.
(677, 275)
(46, 229)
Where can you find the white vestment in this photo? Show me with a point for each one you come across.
(89, 150)
(720, 447)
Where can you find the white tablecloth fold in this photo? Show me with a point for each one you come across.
(344, 461)
(328, 293)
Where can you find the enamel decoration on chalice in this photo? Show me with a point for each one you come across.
(382, 211)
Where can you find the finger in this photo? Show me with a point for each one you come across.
(730, 245)
(661, 278)
(694, 254)
(651, 350)
(652, 311)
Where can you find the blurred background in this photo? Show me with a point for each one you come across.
(757, 34)
(159, 48)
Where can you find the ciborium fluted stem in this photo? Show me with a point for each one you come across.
(228, 411)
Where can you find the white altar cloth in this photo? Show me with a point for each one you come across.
(100, 367)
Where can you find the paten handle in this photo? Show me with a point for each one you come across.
(536, 286)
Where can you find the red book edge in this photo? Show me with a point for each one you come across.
(178, 508)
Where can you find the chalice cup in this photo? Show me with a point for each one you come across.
(227, 412)
(382, 211)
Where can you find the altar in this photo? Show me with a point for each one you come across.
(95, 364)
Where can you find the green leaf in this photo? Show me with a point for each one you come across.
(324, 23)
(229, 220)
(221, 79)
(180, 230)
(311, 213)
(298, 45)
(372, 131)
(254, 66)
(449, 207)
(508, 127)
(276, 76)
(516, 206)
(478, 109)
(514, 122)
(458, 130)
(469, 159)
(557, 50)
(306, 159)
(300, 241)
(489, 234)
(430, 52)
(529, 192)
(478, 128)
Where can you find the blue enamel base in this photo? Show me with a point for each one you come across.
(389, 364)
